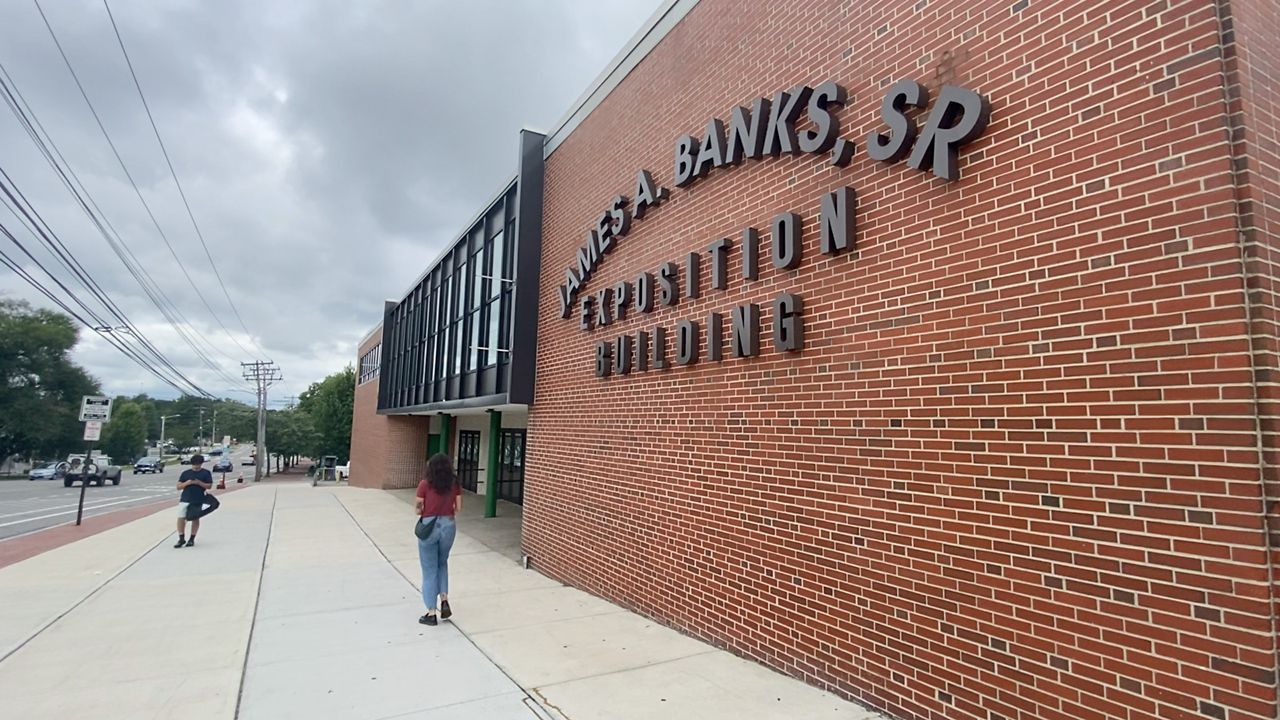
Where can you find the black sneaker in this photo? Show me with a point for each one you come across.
(445, 612)
(428, 620)
(191, 542)
(181, 543)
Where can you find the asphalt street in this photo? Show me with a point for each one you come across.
(27, 506)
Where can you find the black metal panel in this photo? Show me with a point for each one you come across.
(468, 328)
(524, 346)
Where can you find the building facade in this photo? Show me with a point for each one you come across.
(450, 367)
(923, 350)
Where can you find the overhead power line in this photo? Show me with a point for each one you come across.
(170, 376)
(176, 182)
(44, 234)
(48, 148)
(129, 176)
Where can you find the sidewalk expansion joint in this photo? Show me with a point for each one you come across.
(621, 671)
(407, 580)
(83, 600)
(257, 598)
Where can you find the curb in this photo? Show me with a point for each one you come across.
(21, 547)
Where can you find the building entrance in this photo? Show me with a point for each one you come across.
(511, 468)
(469, 459)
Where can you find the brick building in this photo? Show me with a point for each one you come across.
(923, 350)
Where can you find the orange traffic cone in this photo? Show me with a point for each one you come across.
(240, 479)
(222, 482)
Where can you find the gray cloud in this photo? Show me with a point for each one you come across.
(329, 149)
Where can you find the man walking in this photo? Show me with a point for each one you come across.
(194, 484)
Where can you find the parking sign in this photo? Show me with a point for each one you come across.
(92, 430)
(95, 407)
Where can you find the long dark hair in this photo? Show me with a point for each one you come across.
(440, 474)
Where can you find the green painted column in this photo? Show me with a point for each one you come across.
(491, 472)
(446, 429)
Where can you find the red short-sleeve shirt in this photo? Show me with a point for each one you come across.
(433, 503)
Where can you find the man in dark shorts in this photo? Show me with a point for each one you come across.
(194, 484)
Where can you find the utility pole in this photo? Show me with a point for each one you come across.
(263, 374)
(214, 432)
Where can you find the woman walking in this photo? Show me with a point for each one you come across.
(439, 499)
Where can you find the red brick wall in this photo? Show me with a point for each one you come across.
(368, 428)
(1254, 61)
(387, 451)
(1014, 473)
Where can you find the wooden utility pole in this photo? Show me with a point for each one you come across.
(264, 374)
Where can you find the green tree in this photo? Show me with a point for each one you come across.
(40, 387)
(124, 437)
(237, 420)
(290, 433)
(329, 403)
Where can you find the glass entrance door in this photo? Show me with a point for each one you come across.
(511, 471)
(469, 459)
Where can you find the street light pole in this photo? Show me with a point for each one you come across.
(200, 432)
(213, 434)
(162, 440)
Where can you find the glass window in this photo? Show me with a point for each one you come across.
(509, 265)
(460, 292)
(446, 298)
(473, 359)
(495, 327)
(499, 253)
(504, 328)
(477, 284)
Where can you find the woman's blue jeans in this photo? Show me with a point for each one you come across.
(433, 553)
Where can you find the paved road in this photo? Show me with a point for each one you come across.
(27, 506)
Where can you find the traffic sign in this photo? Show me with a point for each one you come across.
(92, 430)
(95, 407)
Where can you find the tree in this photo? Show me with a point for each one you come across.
(290, 433)
(329, 403)
(40, 388)
(124, 437)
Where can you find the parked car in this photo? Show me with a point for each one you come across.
(95, 472)
(148, 465)
(46, 471)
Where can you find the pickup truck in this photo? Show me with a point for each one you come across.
(95, 472)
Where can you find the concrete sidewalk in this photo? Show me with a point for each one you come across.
(301, 602)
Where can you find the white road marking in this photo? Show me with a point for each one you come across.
(154, 492)
(67, 512)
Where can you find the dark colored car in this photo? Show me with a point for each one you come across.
(222, 464)
(148, 465)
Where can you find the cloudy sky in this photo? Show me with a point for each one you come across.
(328, 148)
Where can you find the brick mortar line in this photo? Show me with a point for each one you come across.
(1230, 75)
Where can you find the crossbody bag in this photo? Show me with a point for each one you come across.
(423, 529)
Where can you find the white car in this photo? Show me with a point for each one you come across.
(45, 471)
